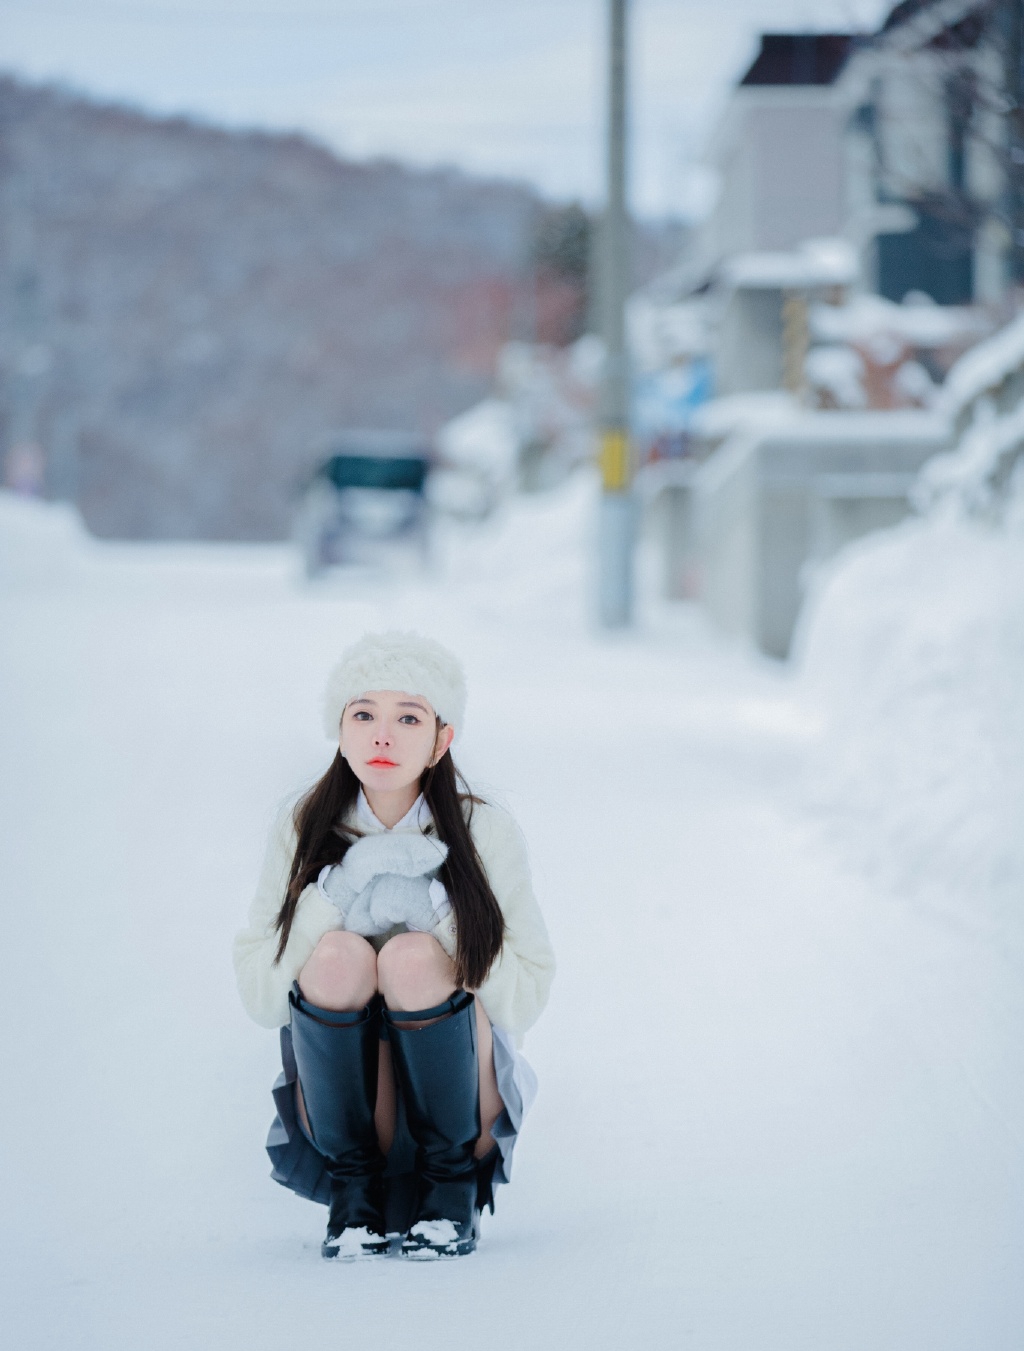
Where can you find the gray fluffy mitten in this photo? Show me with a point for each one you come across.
(384, 880)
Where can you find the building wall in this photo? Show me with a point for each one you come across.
(778, 154)
(796, 163)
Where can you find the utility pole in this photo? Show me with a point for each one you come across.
(617, 524)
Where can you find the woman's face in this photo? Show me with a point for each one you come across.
(389, 738)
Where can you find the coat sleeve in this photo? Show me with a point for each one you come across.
(516, 988)
(264, 986)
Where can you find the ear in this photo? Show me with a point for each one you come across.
(445, 737)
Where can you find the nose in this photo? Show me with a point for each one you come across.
(382, 736)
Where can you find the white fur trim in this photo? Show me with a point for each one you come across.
(396, 661)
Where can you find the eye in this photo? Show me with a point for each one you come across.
(361, 715)
(409, 718)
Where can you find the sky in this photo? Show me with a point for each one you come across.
(512, 88)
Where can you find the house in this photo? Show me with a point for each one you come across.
(778, 149)
(867, 192)
(778, 153)
(895, 143)
(926, 140)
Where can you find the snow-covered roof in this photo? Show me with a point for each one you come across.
(817, 262)
(984, 367)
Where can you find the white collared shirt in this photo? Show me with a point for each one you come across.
(418, 816)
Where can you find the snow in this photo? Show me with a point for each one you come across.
(840, 371)
(780, 1094)
(816, 262)
(481, 439)
(719, 418)
(478, 453)
(968, 475)
(662, 334)
(913, 650)
(764, 414)
(984, 367)
(920, 324)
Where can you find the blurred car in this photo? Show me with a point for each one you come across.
(365, 501)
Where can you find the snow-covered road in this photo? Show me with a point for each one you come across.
(779, 1110)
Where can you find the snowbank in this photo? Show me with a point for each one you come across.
(984, 367)
(39, 541)
(978, 476)
(913, 649)
(479, 452)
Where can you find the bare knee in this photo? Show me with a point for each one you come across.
(414, 972)
(341, 972)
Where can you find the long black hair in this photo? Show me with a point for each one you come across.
(323, 837)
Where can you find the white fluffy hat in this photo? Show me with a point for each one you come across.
(396, 661)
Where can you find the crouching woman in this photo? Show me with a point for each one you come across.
(395, 941)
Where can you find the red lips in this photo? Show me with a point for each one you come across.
(384, 764)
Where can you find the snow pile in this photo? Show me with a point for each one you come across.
(530, 560)
(39, 541)
(920, 323)
(979, 475)
(913, 649)
(478, 453)
(984, 368)
(839, 372)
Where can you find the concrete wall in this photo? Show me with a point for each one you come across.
(767, 507)
(748, 342)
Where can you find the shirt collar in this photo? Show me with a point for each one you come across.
(418, 816)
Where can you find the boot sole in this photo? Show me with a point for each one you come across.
(427, 1253)
(349, 1246)
(420, 1249)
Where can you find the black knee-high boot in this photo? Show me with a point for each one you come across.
(336, 1055)
(438, 1074)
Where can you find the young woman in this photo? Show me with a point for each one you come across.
(396, 942)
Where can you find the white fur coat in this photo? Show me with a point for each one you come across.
(516, 988)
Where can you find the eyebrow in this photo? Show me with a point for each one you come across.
(403, 703)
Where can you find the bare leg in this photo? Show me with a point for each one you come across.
(341, 975)
(415, 972)
(491, 1104)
